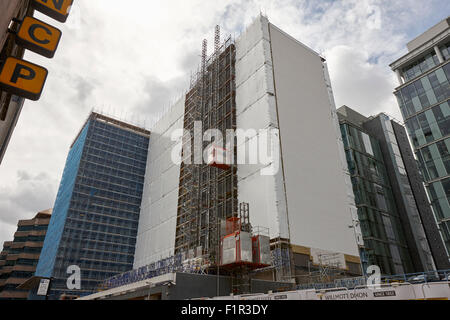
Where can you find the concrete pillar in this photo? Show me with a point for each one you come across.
(399, 76)
(439, 54)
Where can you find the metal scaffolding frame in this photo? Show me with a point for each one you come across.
(207, 194)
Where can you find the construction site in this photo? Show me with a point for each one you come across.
(222, 229)
(237, 229)
(213, 229)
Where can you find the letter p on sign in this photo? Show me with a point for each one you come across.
(23, 78)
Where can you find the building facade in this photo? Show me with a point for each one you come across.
(264, 79)
(397, 223)
(10, 105)
(19, 258)
(423, 97)
(96, 212)
(384, 239)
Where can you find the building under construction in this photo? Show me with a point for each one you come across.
(207, 193)
(287, 219)
(263, 80)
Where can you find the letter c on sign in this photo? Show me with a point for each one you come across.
(38, 36)
(32, 33)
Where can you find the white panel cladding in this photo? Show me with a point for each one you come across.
(259, 115)
(255, 59)
(343, 161)
(319, 210)
(256, 110)
(258, 191)
(157, 224)
(266, 197)
(253, 89)
(256, 32)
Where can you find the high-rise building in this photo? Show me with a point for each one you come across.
(19, 258)
(423, 94)
(96, 212)
(263, 80)
(10, 105)
(398, 227)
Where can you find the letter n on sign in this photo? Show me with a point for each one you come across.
(56, 9)
(22, 78)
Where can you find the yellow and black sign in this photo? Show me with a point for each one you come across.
(38, 37)
(56, 9)
(23, 78)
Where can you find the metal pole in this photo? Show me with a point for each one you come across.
(218, 255)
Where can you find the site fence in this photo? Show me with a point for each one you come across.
(179, 263)
(352, 283)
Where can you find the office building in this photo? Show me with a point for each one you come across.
(96, 211)
(398, 227)
(10, 105)
(19, 258)
(264, 79)
(423, 94)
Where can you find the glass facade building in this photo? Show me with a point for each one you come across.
(96, 212)
(397, 223)
(383, 236)
(423, 97)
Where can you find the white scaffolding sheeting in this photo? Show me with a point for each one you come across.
(343, 161)
(256, 109)
(312, 168)
(157, 225)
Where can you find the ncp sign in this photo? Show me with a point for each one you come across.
(24, 78)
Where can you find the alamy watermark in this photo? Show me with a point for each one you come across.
(74, 280)
(374, 280)
(253, 147)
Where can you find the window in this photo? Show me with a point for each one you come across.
(420, 66)
(445, 50)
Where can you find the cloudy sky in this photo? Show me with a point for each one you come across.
(133, 58)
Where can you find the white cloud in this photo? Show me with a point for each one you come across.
(23, 199)
(133, 59)
(364, 86)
